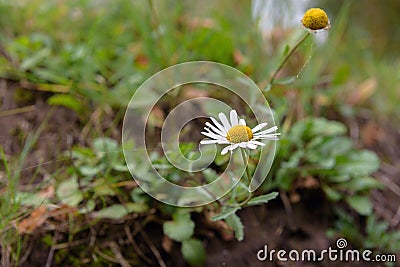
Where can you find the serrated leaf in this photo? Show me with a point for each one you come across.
(234, 221)
(181, 228)
(262, 199)
(361, 204)
(193, 251)
(225, 213)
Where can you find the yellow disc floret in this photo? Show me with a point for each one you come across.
(239, 133)
(315, 19)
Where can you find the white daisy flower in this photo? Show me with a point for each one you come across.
(236, 134)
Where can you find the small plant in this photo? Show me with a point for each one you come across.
(374, 235)
(318, 150)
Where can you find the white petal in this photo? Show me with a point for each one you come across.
(243, 144)
(225, 150)
(233, 146)
(259, 127)
(219, 126)
(224, 121)
(208, 141)
(256, 143)
(234, 118)
(251, 146)
(223, 142)
(213, 136)
(266, 137)
(215, 129)
(270, 130)
(242, 122)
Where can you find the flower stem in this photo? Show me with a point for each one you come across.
(287, 57)
(245, 161)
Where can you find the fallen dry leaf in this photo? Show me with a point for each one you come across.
(36, 219)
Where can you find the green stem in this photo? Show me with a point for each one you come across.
(287, 57)
(245, 161)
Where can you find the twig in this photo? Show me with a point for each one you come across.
(153, 249)
(69, 244)
(118, 255)
(17, 111)
(26, 254)
(135, 245)
(51, 252)
(396, 218)
(105, 256)
(390, 184)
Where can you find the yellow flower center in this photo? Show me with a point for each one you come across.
(239, 133)
(315, 19)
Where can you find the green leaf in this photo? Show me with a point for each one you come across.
(119, 211)
(68, 192)
(234, 221)
(88, 207)
(262, 199)
(91, 171)
(225, 213)
(101, 187)
(358, 163)
(106, 145)
(116, 211)
(34, 60)
(31, 199)
(193, 251)
(362, 183)
(67, 101)
(322, 127)
(361, 204)
(332, 194)
(180, 228)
